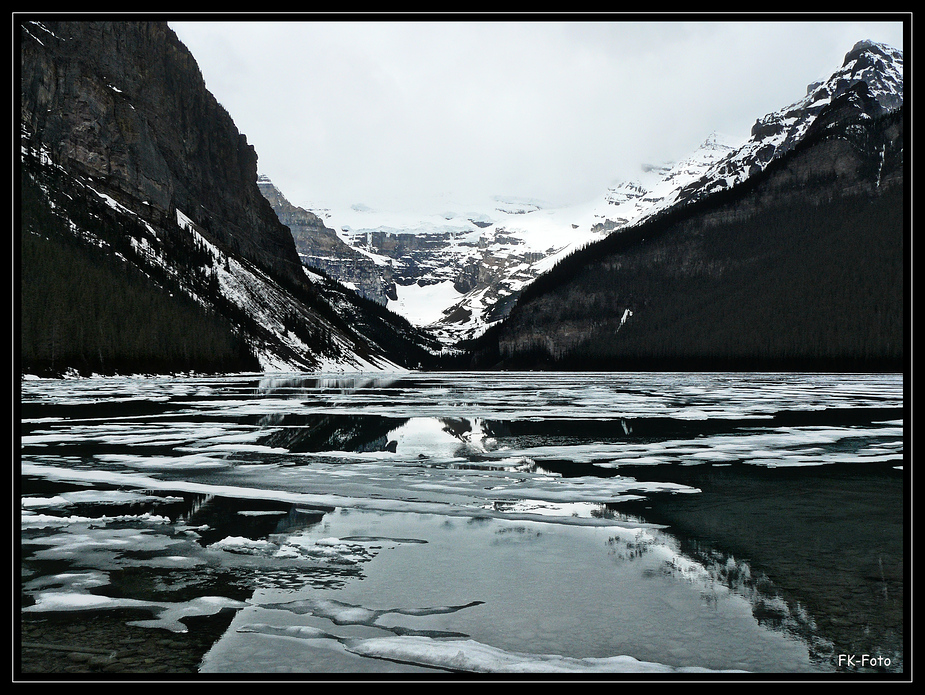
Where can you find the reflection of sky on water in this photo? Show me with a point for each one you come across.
(517, 591)
(258, 546)
(249, 477)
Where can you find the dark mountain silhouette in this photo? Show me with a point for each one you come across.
(801, 266)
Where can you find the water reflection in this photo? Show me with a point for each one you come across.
(217, 517)
(769, 605)
(818, 551)
(654, 500)
(302, 386)
(330, 432)
(610, 442)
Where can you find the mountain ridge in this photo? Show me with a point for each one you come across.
(877, 65)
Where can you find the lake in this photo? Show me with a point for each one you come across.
(445, 524)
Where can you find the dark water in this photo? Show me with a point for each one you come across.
(505, 523)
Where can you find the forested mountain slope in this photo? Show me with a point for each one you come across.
(799, 267)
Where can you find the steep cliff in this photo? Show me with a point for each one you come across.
(319, 247)
(146, 244)
(125, 104)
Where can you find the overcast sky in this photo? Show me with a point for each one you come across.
(401, 114)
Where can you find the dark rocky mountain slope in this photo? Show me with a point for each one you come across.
(145, 242)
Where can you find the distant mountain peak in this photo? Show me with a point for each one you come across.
(876, 65)
(880, 66)
(717, 140)
(631, 201)
(866, 49)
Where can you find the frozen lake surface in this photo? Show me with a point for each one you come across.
(497, 522)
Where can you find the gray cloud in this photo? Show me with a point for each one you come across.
(395, 113)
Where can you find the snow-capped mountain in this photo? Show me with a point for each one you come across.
(452, 270)
(631, 202)
(878, 66)
(799, 268)
(456, 272)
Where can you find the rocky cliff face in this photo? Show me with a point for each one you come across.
(456, 276)
(147, 244)
(450, 271)
(319, 247)
(125, 103)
